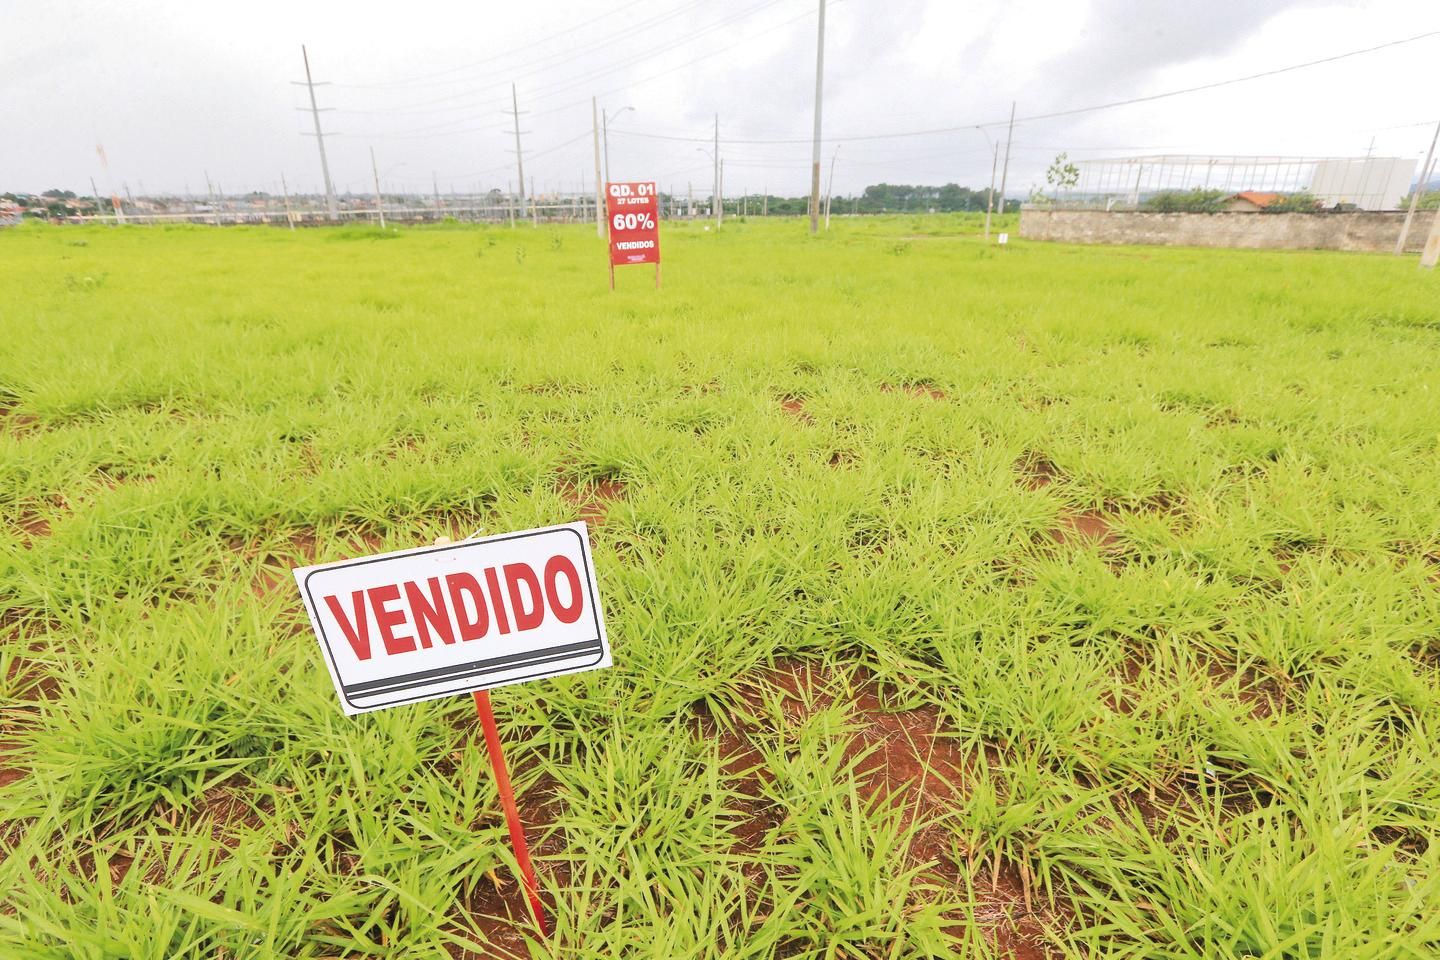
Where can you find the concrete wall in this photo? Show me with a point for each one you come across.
(1371, 232)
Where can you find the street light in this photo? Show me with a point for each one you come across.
(605, 132)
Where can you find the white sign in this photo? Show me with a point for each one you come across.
(1004, 239)
(420, 624)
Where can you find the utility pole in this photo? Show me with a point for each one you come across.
(716, 158)
(1431, 254)
(1416, 193)
(1005, 171)
(519, 158)
(95, 191)
(765, 203)
(510, 204)
(379, 202)
(831, 185)
(214, 209)
(815, 150)
(110, 183)
(285, 189)
(689, 200)
(534, 205)
(435, 186)
(330, 208)
(599, 202)
(990, 201)
(720, 200)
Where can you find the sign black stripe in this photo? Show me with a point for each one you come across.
(474, 667)
(565, 663)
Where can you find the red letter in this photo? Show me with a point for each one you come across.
(516, 574)
(359, 640)
(561, 566)
(460, 583)
(431, 613)
(496, 601)
(388, 620)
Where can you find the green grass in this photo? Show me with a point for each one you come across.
(1211, 733)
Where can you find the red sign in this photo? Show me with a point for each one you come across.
(634, 212)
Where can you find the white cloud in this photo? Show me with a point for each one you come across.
(182, 89)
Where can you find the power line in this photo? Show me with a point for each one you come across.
(1225, 83)
(513, 50)
(1059, 113)
(550, 61)
(438, 128)
(687, 64)
(571, 83)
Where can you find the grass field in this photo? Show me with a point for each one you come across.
(1046, 601)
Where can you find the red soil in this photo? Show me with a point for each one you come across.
(1037, 472)
(795, 406)
(592, 500)
(908, 761)
(926, 390)
(1085, 526)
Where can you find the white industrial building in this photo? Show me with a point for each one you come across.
(1380, 183)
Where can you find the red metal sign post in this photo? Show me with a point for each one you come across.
(512, 813)
(633, 210)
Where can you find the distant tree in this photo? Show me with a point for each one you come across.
(1301, 202)
(1062, 175)
(1185, 201)
(59, 194)
(950, 198)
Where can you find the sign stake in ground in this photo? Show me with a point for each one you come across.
(456, 618)
(634, 212)
(512, 812)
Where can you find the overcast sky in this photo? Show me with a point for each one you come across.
(175, 89)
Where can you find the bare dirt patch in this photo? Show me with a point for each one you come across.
(14, 423)
(906, 759)
(300, 546)
(35, 520)
(498, 910)
(1037, 471)
(795, 406)
(1006, 910)
(26, 675)
(8, 774)
(592, 500)
(923, 390)
(112, 476)
(1082, 527)
(30, 527)
(275, 568)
